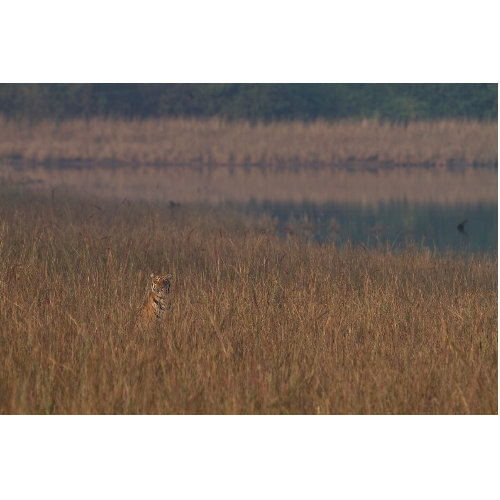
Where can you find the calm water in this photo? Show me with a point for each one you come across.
(344, 204)
(396, 224)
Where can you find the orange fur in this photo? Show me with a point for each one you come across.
(158, 302)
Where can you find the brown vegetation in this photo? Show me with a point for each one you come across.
(189, 141)
(258, 324)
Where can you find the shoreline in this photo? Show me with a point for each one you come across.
(190, 142)
(353, 165)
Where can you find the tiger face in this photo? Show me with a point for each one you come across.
(158, 301)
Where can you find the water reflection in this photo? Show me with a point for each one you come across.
(394, 224)
(442, 208)
(218, 185)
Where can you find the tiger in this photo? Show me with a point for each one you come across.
(158, 301)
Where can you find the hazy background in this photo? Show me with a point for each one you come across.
(252, 102)
(383, 163)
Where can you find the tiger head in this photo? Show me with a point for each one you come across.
(160, 285)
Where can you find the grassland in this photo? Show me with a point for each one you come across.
(215, 142)
(259, 325)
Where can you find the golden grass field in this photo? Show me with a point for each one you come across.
(216, 142)
(259, 325)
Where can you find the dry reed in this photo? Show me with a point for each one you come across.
(189, 141)
(259, 325)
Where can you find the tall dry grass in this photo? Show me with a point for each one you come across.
(188, 141)
(258, 325)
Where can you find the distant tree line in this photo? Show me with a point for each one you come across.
(254, 102)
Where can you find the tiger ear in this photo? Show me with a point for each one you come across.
(169, 276)
(152, 276)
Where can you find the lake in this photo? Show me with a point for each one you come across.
(388, 224)
(364, 203)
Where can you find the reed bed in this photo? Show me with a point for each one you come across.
(259, 325)
(213, 141)
(220, 184)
